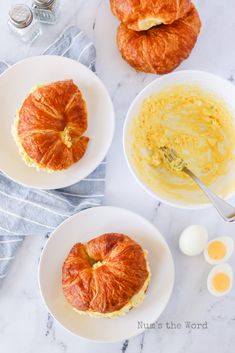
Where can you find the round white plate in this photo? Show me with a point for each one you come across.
(16, 82)
(89, 224)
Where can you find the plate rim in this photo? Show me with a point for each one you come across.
(92, 209)
(112, 119)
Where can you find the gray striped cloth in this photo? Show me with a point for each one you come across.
(26, 211)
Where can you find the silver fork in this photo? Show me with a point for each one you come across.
(224, 209)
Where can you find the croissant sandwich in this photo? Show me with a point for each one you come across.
(50, 124)
(140, 15)
(105, 277)
(162, 48)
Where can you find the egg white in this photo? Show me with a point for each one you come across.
(229, 245)
(221, 268)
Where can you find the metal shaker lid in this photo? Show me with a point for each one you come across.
(43, 3)
(20, 15)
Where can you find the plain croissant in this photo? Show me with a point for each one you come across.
(162, 48)
(141, 15)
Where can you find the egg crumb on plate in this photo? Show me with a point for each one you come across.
(220, 279)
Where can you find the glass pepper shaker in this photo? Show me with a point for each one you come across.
(46, 11)
(23, 24)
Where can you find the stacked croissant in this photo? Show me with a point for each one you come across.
(155, 36)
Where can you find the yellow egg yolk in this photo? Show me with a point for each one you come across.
(221, 282)
(216, 250)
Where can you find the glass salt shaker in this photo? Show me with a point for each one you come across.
(46, 11)
(23, 24)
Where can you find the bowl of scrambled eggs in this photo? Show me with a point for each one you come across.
(192, 112)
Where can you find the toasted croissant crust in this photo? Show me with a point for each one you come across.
(50, 125)
(141, 15)
(162, 48)
(102, 275)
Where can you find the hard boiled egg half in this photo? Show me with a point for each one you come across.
(220, 279)
(219, 250)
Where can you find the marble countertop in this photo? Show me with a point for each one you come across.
(25, 325)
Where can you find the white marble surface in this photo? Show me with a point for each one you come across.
(25, 325)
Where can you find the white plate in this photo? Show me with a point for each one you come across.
(89, 224)
(207, 82)
(16, 82)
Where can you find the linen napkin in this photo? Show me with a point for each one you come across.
(25, 211)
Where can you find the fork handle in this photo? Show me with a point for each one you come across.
(226, 210)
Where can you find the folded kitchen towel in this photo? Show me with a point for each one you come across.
(25, 211)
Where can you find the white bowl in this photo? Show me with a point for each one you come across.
(82, 227)
(16, 82)
(208, 82)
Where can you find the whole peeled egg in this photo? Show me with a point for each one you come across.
(193, 240)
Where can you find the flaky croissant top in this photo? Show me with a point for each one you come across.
(102, 275)
(162, 48)
(50, 126)
(140, 15)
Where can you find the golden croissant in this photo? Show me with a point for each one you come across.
(106, 276)
(140, 15)
(50, 124)
(162, 48)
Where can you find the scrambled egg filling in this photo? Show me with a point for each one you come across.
(194, 123)
(15, 135)
(149, 22)
(135, 301)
